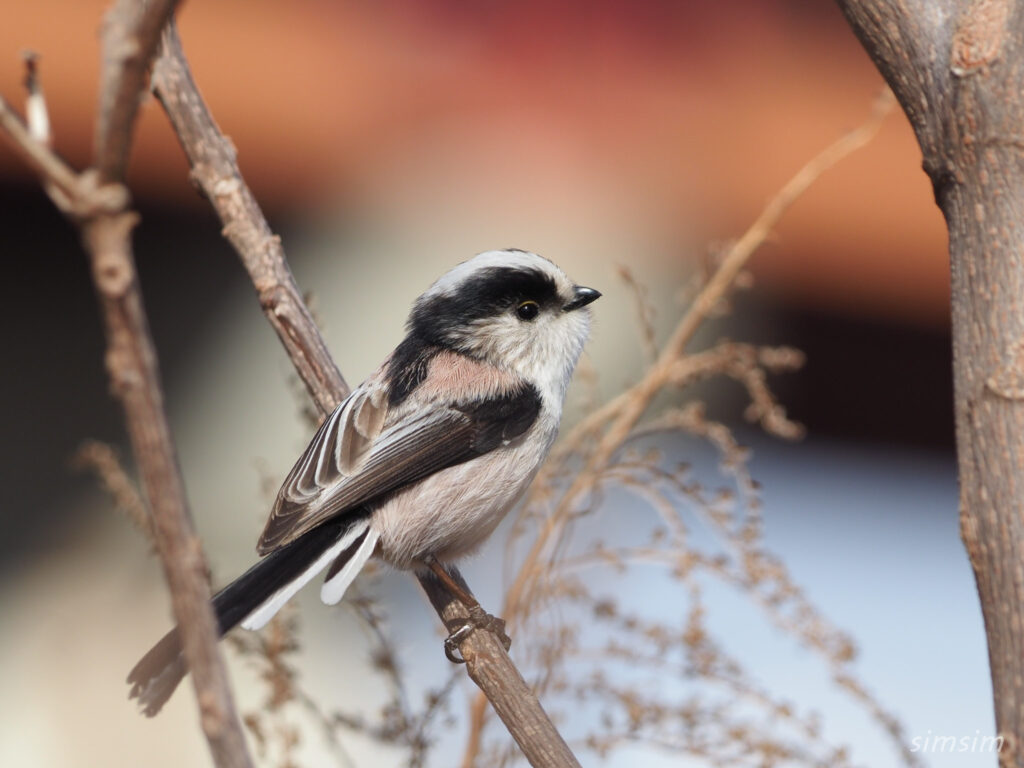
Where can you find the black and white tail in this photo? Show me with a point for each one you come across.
(254, 597)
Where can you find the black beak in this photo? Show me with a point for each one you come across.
(582, 297)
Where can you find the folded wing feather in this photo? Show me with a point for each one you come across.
(357, 457)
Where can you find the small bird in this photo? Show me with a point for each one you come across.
(422, 461)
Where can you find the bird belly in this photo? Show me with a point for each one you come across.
(451, 513)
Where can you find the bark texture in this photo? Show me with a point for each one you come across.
(135, 380)
(957, 69)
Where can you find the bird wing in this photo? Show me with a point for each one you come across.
(359, 455)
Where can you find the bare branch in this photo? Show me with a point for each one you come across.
(50, 168)
(132, 367)
(515, 703)
(35, 104)
(101, 210)
(215, 170)
(131, 31)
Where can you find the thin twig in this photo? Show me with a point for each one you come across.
(102, 460)
(39, 157)
(35, 104)
(644, 315)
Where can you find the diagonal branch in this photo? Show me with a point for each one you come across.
(130, 34)
(99, 204)
(46, 164)
(216, 171)
(135, 379)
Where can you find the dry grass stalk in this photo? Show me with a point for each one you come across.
(102, 460)
(595, 458)
(727, 717)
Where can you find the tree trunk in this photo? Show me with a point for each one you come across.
(958, 71)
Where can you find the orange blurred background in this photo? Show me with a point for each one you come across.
(681, 117)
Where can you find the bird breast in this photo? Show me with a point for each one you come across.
(451, 513)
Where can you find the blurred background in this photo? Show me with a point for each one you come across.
(389, 140)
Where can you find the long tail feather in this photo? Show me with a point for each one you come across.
(255, 592)
(347, 566)
(275, 601)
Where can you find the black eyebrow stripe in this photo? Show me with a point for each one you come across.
(486, 293)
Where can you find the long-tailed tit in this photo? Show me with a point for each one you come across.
(421, 462)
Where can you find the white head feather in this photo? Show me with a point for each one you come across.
(545, 350)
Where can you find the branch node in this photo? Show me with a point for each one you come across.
(227, 186)
(1008, 381)
(95, 198)
(270, 298)
(123, 377)
(210, 714)
(978, 38)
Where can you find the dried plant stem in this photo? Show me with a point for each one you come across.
(99, 204)
(610, 426)
(626, 409)
(720, 283)
(102, 459)
(216, 171)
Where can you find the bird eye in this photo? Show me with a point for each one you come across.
(527, 310)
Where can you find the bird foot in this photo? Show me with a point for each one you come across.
(478, 619)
